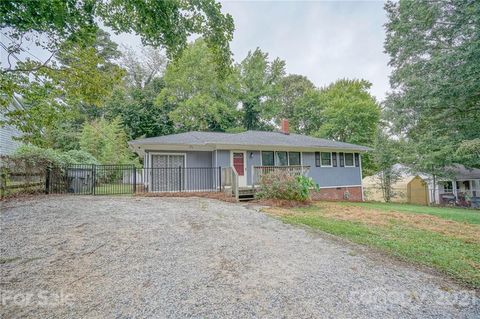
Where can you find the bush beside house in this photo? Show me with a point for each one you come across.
(285, 186)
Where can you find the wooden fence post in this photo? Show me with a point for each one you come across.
(3, 183)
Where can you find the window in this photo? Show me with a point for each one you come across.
(357, 160)
(326, 159)
(281, 159)
(294, 158)
(334, 159)
(349, 161)
(317, 159)
(448, 187)
(267, 159)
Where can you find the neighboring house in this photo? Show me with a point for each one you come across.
(8, 144)
(461, 187)
(408, 188)
(335, 166)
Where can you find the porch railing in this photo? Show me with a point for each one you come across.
(466, 198)
(294, 170)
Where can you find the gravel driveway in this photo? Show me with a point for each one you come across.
(131, 257)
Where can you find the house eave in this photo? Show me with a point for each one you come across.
(140, 148)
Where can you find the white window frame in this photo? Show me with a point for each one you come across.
(331, 160)
(288, 157)
(345, 160)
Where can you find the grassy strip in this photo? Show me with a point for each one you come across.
(463, 215)
(458, 259)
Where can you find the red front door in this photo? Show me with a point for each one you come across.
(239, 163)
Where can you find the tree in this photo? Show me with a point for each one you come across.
(260, 84)
(133, 101)
(349, 112)
(295, 102)
(137, 111)
(434, 50)
(106, 141)
(165, 24)
(49, 24)
(386, 155)
(67, 95)
(198, 97)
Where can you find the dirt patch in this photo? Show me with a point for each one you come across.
(466, 232)
(282, 203)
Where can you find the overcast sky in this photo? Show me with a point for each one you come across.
(324, 40)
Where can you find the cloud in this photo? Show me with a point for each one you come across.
(325, 41)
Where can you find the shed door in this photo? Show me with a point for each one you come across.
(168, 173)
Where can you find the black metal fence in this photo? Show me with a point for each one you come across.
(128, 179)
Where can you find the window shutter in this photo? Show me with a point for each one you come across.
(357, 160)
(317, 159)
(334, 159)
(342, 160)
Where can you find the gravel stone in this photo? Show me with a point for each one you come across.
(135, 257)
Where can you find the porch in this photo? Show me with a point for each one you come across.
(465, 193)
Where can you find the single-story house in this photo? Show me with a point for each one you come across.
(335, 166)
(456, 185)
(462, 187)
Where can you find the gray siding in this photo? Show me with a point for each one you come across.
(199, 159)
(253, 159)
(7, 144)
(331, 176)
(223, 158)
(324, 176)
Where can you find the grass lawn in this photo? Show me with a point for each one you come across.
(429, 236)
(471, 216)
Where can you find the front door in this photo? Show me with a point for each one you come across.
(238, 161)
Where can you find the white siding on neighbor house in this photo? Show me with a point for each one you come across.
(7, 144)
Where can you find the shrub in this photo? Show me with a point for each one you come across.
(284, 185)
(82, 157)
(49, 157)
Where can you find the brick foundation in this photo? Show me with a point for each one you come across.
(338, 193)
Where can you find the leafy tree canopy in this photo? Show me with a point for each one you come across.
(260, 84)
(165, 24)
(106, 141)
(434, 49)
(196, 96)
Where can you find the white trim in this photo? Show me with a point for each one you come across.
(345, 159)
(361, 175)
(167, 153)
(331, 160)
(288, 157)
(244, 177)
(141, 148)
(261, 157)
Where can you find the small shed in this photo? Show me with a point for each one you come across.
(408, 189)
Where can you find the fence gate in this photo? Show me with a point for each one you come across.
(91, 180)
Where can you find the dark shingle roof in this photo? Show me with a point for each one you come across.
(253, 138)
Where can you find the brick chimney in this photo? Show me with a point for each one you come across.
(284, 128)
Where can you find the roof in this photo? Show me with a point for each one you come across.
(248, 138)
(461, 172)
